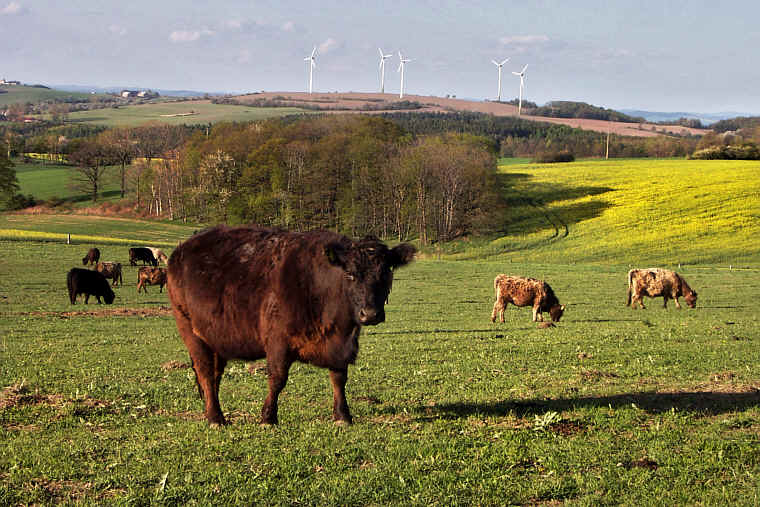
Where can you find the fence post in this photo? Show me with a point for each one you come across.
(68, 239)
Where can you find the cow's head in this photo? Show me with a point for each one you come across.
(691, 299)
(556, 312)
(108, 295)
(368, 270)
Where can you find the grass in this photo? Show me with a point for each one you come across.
(33, 94)
(612, 406)
(628, 211)
(203, 111)
(50, 181)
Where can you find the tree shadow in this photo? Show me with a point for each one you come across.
(529, 207)
(707, 403)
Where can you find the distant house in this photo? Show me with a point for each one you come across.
(12, 83)
(128, 93)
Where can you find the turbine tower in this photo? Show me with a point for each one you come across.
(402, 63)
(310, 59)
(522, 87)
(383, 57)
(498, 94)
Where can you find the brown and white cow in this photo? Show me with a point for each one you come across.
(249, 293)
(525, 292)
(110, 270)
(147, 275)
(654, 282)
(159, 255)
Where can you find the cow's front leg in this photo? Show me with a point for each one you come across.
(675, 300)
(338, 378)
(498, 308)
(278, 366)
(537, 316)
(665, 301)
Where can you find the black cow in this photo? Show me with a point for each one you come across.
(89, 283)
(249, 293)
(142, 254)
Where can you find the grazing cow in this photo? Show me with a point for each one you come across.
(525, 292)
(92, 257)
(159, 255)
(89, 283)
(654, 282)
(249, 293)
(150, 276)
(142, 254)
(110, 270)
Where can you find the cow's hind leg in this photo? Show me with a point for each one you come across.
(278, 365)
(665, 301)
(208, 368)
(338, 378)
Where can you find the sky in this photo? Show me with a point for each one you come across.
(655, 55)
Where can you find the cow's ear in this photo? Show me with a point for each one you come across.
(401, 255)
(562, 308)
(336, 254)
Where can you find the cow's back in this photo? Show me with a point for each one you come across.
(238, 284)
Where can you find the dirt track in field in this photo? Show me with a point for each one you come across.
(370, 103)
(110, 312)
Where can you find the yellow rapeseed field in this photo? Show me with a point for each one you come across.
(632, 211)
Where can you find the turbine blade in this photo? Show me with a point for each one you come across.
(515, 73)
(399, 66)
(505, 61)
(381, 52)
(523, 71)
(313, 51)
(495, 63)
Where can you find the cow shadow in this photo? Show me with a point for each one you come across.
(704, 403)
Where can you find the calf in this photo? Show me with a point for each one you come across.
(89, 283)
(654, 282)
(151, 276)
(525, 292)
(249, 293)
(92, 257)
(110, 270)
(142, 254)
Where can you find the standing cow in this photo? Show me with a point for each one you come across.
(89, 283)
(654, 282)
(92, 257)
(159, 255)
(110, 270)
(525, 292)
(249, 293)
(147, 275)
(142, 254)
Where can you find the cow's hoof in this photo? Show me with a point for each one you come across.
(342, 422)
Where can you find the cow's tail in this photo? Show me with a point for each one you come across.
(630, 287)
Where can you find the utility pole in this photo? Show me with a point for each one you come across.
(607, 152)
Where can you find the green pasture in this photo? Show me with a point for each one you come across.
(24, 94)
(177, 113)
(46, 181)
(612, 406)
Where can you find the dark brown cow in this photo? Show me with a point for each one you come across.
(142, 254)
(92, 257)
(525, 292)
(89, 283)
(249, 293)
(654, 282)
(110, 270)
(147, 275)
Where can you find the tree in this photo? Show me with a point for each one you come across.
(8, 181)
(122, 145)
(91, 159)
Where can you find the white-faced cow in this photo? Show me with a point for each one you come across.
(110, 270)
(654, 282)
(525, 292)
(249, 293)
(159, 255)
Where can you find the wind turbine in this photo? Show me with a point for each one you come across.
(383, 57)
(310, 59)
(401, 65)
(498, 95)
(522, 87)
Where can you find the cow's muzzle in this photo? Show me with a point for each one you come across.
(370, 316)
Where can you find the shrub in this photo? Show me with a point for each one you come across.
(748, 151)
(550, 157)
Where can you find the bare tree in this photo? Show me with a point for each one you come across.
(91, 159)
(123, 145)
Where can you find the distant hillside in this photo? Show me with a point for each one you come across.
(23, 94)
(744, 122)
(117, 89)
(658, 116)
(570, 109)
